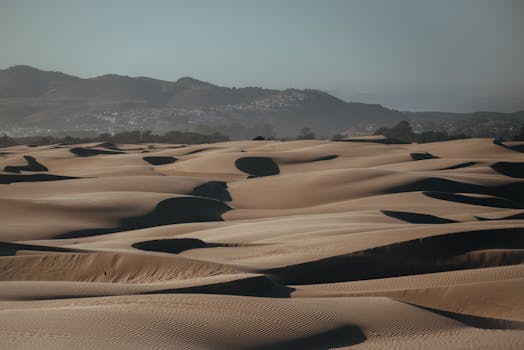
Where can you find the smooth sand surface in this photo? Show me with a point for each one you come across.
(262, 245)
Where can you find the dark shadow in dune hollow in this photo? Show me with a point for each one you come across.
(257, 166)
(8, 179)
(511, 217)
(8, 248)
(108, 145)
(448, 252)
(416, 218)
(159, 160)
(91, 152)
(515, 170)
(328, 157)
(474, 321)
(167, 147)
(179, 245)
(516, 148)
(494, 202)
(385, 141)
(422, 156)
(169, 211)
(342, 336)
(32, 165)
(257, 286)
(214, 190)
(460, 166)
(197, 151)
(513, 191)
(174, 245)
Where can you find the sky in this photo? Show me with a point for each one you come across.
(447, 55)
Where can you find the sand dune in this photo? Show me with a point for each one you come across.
(9, 179)
(257, 166)
(363, 243)
(509, 169)
(159, 160)
(32, 165)
(89, 152)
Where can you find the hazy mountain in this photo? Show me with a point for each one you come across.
(33, 101)
(31, 98)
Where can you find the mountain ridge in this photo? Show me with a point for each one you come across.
(34, 101)
(30, 97)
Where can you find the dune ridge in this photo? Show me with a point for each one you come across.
(366, 243)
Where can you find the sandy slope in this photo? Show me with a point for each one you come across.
(262, 245)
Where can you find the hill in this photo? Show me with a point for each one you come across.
(35, 101)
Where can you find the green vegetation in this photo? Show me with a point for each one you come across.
(403, 132)
(337, 137)
(306, 134)
(6, 141)
(123, 137)
(519, 137)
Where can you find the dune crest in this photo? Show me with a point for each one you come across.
(366, 243)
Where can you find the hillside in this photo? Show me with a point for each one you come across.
(477, 124)
(35, 101)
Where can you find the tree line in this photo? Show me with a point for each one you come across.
(134, 136)
(403, 132)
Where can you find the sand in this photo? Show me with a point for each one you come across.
(262, 245)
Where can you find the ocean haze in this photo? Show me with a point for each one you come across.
(457, 56)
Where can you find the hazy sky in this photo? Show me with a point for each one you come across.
(453, 55)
